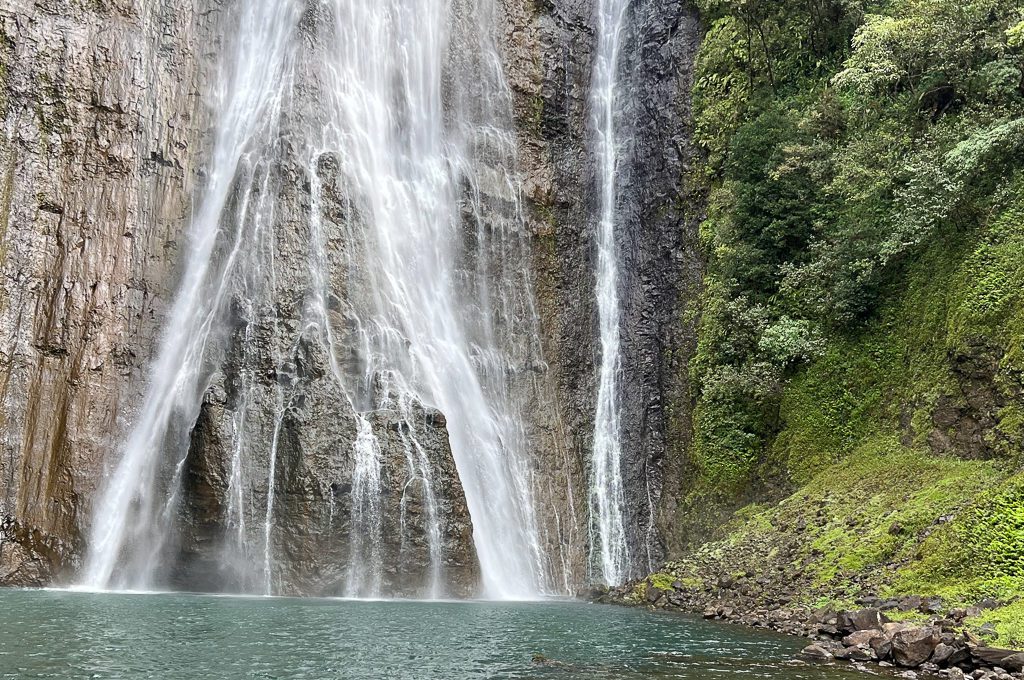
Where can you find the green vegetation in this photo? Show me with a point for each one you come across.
(861, 349)
(863, 231)
(662, 581)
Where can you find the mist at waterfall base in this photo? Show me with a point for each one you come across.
(406, 145)
(180, 637)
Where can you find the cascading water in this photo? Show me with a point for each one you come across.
(411, 166)
(609, 548)
(409, 132)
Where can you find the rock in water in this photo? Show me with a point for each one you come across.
(816, 651)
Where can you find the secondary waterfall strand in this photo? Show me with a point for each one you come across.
(607, 493)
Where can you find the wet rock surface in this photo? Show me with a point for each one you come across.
(107, 129)
(108, 122)
(658, 213)
(327, 539)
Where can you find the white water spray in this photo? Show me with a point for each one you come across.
(419, 99)
(608, 545)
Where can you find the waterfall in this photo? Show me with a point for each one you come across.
(421, 144)
(409, 129)
(608, 533)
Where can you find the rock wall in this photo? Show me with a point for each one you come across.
(106, 132)
(658, 216)
(106, 137)
(101, 138)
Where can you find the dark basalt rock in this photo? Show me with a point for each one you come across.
(660, 264)
(1005, 658)
(913, 646)
(861, 619)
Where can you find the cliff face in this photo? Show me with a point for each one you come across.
(657, 240)
(103, 128)
(106, 139)
(107, 130)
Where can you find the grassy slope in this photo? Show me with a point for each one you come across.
(877, 508)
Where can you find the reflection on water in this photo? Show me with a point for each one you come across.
(56, 634)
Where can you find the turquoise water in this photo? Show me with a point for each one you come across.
(55, 634)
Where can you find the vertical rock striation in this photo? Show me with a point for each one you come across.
(102, 132)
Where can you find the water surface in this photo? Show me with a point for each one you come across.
(56, 634)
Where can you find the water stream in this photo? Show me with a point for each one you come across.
(132, 517)
(609, 547)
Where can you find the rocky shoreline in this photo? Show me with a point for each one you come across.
(937, 646)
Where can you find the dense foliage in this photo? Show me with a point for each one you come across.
(865, 165)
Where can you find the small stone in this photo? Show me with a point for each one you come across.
(854, 654)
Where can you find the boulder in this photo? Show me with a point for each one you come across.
(822, 616)
(894, 627)
(1010, 659)
(913, 646)
(861, 619)
(942, 653)
(882, 647)
(816, 651)
(862, 637)
(910, 603)
(653, 593)
(1014, 662)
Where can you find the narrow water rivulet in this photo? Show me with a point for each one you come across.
(609, 543)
